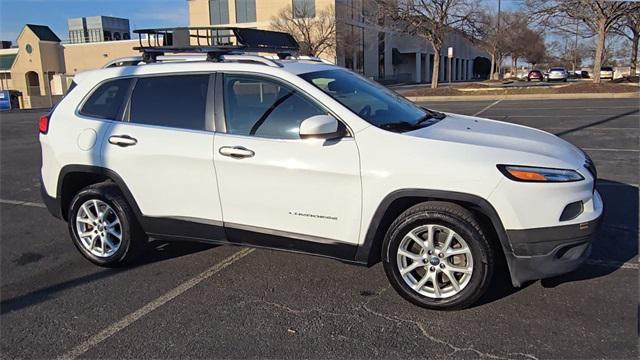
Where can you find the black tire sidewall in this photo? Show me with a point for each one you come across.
(474, 239)
(117, 204)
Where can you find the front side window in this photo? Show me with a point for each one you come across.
(106, 101)
(260, 107)
(177, 101)
(372, 102)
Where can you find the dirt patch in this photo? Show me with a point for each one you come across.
(606, 87)
(627, 79)
(582, 88)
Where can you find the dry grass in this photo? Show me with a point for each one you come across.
(580, 88)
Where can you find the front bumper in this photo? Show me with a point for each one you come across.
(545, 252)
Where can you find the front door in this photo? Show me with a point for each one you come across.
(274, 183)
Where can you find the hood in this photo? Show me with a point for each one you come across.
(501, 135)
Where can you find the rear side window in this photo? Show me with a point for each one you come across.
(174, 101)
(106, 100)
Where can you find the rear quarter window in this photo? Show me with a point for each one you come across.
(106, 101)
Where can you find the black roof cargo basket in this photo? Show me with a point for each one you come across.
(214, 41)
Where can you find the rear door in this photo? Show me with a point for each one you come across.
(163, 152)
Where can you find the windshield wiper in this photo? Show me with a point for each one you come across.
(402, 125)
(435, 114)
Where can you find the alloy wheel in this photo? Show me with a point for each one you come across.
(435, 261)
(98, 228)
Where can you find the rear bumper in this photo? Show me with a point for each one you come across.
(52, 204)
(546, 252)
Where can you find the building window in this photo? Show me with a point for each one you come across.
(304, 8)
(381, 47)
(354, 48)
(219, 10)
(245, 11)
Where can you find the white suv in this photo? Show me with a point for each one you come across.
(307, 157)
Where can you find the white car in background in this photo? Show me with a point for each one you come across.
(303, 156)
(606, 73)
(556, 74)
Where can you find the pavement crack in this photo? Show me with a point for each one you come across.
(528, 356)
(455, 349)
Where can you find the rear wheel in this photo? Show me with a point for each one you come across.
(103, 227)
(436, 256)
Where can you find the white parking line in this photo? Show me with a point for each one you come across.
(604, 149)
(149, 307)
(487, 107)
(23, 203)
(614, 264)
(515, 116)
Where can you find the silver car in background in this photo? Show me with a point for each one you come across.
(556, 74)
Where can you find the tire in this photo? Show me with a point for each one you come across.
(436, 217)
(132, 242)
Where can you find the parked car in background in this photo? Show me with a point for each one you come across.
(534, 75)
(606, 72)
(583, 74)
(556, 74)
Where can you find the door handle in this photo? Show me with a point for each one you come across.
(122, 140)
(236, 152)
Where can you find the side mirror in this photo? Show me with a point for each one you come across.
(319, 127)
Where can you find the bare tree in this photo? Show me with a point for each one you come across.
(430, 20)
(535, 50)
(629, 27)
(518, 36)
(487, 35)
(599, 16)
(316, 33)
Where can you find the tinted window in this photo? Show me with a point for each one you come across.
(372, 102)
(261, 107)
(606, 68)
(106, 101)
(173, 101)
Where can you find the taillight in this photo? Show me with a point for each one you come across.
(43, 125)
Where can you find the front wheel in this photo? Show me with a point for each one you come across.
(436, 256)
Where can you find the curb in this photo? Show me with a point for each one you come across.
(629, 95)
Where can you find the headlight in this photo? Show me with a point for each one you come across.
(538, 174)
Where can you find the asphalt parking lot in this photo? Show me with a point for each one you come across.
(192, 300)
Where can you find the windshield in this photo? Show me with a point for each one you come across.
(374, 103)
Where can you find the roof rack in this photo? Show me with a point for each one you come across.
(214, 41)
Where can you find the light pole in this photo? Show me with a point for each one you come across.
(498, 65)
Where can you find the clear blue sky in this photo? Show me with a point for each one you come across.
(54, 13)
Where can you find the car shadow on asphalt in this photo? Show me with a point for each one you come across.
(616, 241)
(615, 244)
(596, 123)
(160, 251)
